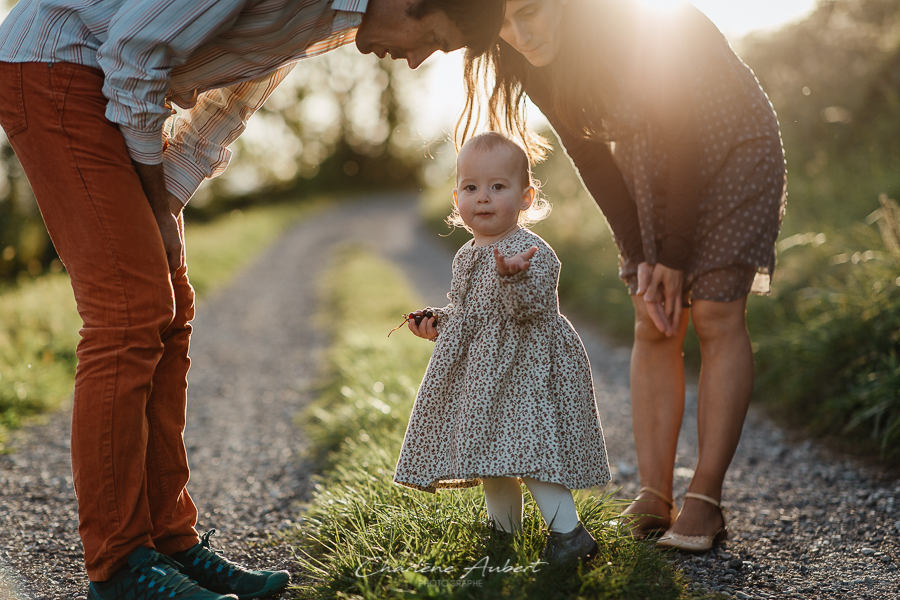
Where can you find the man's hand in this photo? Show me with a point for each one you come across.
(506, 267)
(663, 305)
(167, 210)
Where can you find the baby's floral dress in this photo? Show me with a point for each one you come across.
(508, 391)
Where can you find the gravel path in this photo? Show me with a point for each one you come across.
(804, 523)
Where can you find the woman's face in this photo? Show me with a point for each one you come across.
(532, 28)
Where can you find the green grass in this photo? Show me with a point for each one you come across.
(362, 536)
(38, 333)
(39, 324)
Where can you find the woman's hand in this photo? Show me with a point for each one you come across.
(663, 305)
(507, 267)
(425, 329)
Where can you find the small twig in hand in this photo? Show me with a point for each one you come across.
(426, 314)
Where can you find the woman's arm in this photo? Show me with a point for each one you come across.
(599, 175)
(602, 179)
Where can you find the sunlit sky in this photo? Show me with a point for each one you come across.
(442, 96)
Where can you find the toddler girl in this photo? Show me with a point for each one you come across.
(508, 395)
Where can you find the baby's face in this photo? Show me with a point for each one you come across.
(490, 193)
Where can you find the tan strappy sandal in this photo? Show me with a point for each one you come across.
(642, 526)
(696, 543)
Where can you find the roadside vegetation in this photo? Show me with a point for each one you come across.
(362, 536)
(39, 324)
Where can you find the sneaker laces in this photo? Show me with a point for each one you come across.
(202, 552)
(164, 577)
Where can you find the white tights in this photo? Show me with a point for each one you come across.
(503, 498)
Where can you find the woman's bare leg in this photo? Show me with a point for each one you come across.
(657, 406)
(726, 383)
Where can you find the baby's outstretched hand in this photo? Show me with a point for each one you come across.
(507, 267)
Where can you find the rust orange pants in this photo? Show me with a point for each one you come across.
(128, 456)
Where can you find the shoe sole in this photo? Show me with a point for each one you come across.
(93, 595)
(720, 537)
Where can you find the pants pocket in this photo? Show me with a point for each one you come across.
(12, 100)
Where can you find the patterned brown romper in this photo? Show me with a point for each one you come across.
(508, 391)
(722, 234)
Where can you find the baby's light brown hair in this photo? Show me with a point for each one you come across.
(491, 141)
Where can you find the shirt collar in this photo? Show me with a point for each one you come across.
(350, 5)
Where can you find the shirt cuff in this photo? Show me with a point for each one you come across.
(183, 176)
(145, 147)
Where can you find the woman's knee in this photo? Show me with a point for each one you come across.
(501, 485)
(645, 329)
(716, 320)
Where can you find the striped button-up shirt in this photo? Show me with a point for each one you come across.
(217, 59)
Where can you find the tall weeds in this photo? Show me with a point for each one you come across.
(829, 359)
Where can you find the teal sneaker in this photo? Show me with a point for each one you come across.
(150, 576)
(218, 574)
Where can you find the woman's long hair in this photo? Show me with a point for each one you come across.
(579, 81)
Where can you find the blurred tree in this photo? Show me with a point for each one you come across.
(833, 81)
(24, 244)
(338, 124)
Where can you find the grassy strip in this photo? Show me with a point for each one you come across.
(38, 333)
(39, 324)
(365, 537)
